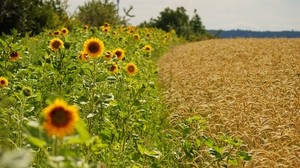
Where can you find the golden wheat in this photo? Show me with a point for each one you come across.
(248, 88)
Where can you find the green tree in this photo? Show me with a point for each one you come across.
(178, 20)
(96, 12)
(31, 15)
(196, 24)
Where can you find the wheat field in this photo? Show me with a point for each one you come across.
(247, 88)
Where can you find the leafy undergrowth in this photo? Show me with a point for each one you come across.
(235, 98)
(86, 97)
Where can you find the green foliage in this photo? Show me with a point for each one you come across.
(123, 120)
(178, 20)
(31, 15)
(97, 12)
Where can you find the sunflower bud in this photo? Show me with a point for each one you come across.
(27, 91)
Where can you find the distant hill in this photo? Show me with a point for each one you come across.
(257, 34)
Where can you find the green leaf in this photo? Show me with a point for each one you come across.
(153, 153)
(3, 43)
(136, 156)
(74, 140)
(232, 161)
(83, 133)
(244, 155)
(36, 141)
(215, 153)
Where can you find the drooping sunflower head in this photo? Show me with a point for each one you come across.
(119, 53)
(83, 56)
(56, 44)
(60, 118)
(93, 47)
(131, 69)
(108, 55)
(148, 48)
(114, 68)
(14, 56)
(3, 82)
(64, 31)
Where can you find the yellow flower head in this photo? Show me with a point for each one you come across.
(60, 118)
(106, 24)
(136, 37)
(83, 56)
(148, 48)
(108, 55)
(64, 31)
(119, 53)
(94, 47)
(131, 69)
(105, 29)
(114, 68)
(85, 28)
(56, 44)
(3, 82)
(14, 56)
(56, 33)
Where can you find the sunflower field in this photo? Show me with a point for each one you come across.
(86, 97)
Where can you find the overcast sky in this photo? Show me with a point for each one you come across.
(274, 15)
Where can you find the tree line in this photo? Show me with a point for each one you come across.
(34, 16)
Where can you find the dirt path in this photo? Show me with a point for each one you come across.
(248, 88)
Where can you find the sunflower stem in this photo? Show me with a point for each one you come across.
(23, 102)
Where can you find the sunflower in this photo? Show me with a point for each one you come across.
(106, 24)
(85, 28)
(94, 47)
(56, 33)
(114, 68)
(106, 29)
(119, 53)
(136, 37)
(3, 82)
(83, 56)
(131, 68)
(14, 55)
(64, 31)
(60, 118)
(56, 44)
(147, 48)
(108, 55)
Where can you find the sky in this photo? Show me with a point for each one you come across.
(256, 15)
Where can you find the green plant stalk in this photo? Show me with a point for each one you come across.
(20, 125)
(92, 106)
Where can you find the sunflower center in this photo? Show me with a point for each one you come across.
(56, 44)
(94, 47)
(2, 82)
(107, 55)
(112, 68)
(14, 54)
(60, 117)
(131, 69)
(118, 53)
